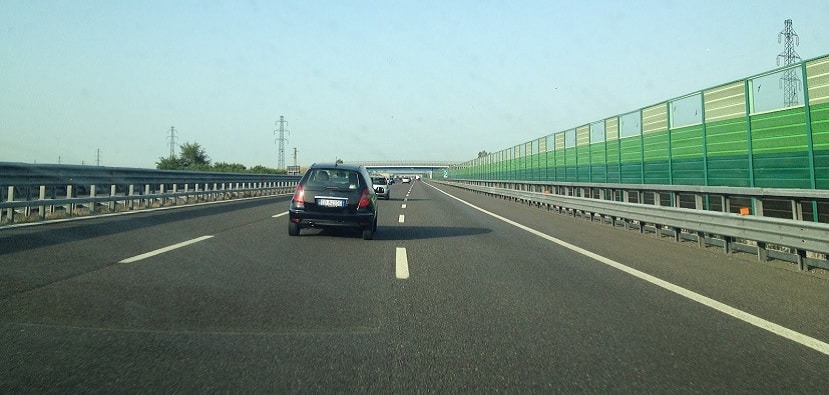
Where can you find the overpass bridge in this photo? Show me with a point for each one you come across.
(434, 168)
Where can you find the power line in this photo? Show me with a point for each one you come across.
(281, 140)
(171, 138)
(790, 80)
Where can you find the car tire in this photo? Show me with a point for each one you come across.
(293, 229)
(368, 233)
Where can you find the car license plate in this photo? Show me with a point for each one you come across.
(330, 202)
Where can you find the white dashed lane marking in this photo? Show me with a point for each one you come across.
(165, 249)
(401, 267)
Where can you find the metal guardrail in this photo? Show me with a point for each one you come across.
(797, 204)
(37, 192)
(748, 233)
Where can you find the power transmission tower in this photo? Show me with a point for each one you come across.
(280, 124)
(295, 156)
(790, 80)
(98, 157)
(172, 140)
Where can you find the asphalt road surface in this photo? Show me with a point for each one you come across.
(458, 292)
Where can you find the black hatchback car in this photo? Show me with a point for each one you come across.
(332, 195)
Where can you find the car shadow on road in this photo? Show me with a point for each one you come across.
(400, 199)
(399, 232)
(404, 232)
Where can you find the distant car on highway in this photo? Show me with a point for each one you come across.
(382, 186)
(406, 180)
(332, 195)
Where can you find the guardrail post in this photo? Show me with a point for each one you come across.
(162, 189)
(72, 206)
(801, 257)
(92, 195)
(41, 212)
(797, 210)
(758, 206)
(10, 210)
(762, 252)
(112, 203)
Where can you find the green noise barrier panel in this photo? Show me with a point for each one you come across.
(713, 137)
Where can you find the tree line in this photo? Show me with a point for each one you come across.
(193, 157)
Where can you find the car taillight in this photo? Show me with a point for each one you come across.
(365, 199)
(299, 197)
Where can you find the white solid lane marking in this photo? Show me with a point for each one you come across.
(279, 215)
(165, 249)
(779, 330)
(401, 266)
(400, 219)
(403, 206)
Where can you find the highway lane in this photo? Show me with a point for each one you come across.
(485, 307)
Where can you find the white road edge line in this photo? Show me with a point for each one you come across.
(165, 249)
(401, 266)
(779, 330)
(279, 215)
(401, 218)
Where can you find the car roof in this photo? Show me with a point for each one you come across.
(341, 166)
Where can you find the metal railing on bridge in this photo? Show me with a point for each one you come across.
(408, 164)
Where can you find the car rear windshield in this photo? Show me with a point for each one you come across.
(378, 181)
(333, 179)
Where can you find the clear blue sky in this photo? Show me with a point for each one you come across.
(359, 80)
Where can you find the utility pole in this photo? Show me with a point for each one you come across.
(172, 140)
(280, 132)
(98, 157)
(295, 156)
(790, 80)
